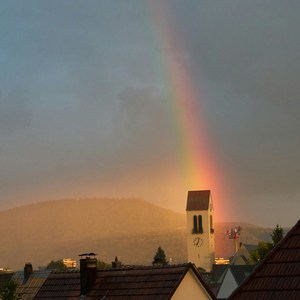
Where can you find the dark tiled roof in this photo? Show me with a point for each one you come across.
(28, 288)
(278, 274)
(198, 200)
(60, 285)
(130, 283)
(156, 283)
(241, 272)
(218, 270)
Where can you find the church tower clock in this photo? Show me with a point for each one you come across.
(200, 229)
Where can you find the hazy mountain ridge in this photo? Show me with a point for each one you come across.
(132, 229)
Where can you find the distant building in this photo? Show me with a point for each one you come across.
(222, 261)
(243, 255)
(200, 229)
(231, 278)
(69, 263)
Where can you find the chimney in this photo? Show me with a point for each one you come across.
(88, 272)
(28, 270)
(116, 264)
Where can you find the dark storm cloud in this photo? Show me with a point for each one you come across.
(14, 111)
(84, 111)
(247, 53)
(236, 41)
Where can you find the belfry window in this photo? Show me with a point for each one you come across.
(211, 224)
(195, 228)
(197, 224)
(200, 228)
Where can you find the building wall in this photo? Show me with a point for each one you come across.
(69, 263)
(203, 254)
(190, 288)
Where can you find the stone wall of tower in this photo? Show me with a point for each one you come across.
(201, 244)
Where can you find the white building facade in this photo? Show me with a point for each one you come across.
(200, 229)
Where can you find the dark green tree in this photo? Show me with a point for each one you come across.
(261, 251)
(277, 234)
(159, 258)
(9, 291)
(57, 265)
(102, 265)
(264, 247)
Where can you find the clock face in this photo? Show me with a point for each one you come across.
(198, 242)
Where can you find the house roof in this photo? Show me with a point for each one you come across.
(250, 247)
(128, 283)
(241, 272)
(232, 277)
(60, 285)
(28, 288)
(218, 270)
(198, 200)
(278, 275)
(243, 254)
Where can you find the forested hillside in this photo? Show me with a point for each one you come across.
(132, 229)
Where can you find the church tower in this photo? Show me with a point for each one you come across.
(200, 229)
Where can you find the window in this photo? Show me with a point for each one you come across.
(197, 222)
(200, 228)
(211, 224)
(195, 229)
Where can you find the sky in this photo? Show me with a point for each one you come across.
(150, 99)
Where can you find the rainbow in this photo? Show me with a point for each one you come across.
(199, 164)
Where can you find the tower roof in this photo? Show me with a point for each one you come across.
(198, 200)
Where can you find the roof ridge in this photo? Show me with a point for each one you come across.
(128, 267)
(289, 234)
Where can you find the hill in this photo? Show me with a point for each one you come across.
(132, 229)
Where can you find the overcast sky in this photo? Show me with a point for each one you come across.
(84, 110)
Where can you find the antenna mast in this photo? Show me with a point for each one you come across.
(234, 234)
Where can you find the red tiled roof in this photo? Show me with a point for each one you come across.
(198, 200)
(278, 274)
(134, 283)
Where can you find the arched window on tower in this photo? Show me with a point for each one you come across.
(211, 224)
(200, 228)
(197, 222)
(195, 228)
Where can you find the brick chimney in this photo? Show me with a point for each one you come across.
(28, 270)
(88, 272)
